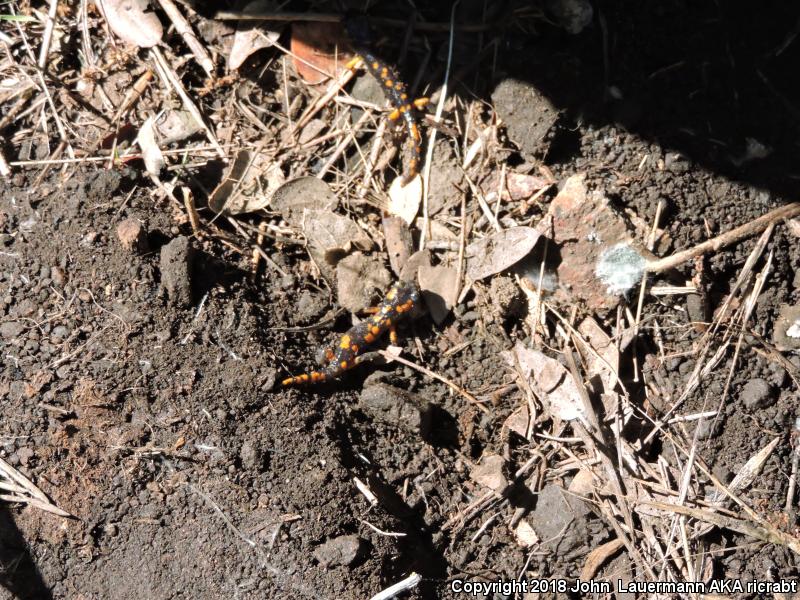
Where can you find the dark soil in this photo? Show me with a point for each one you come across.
(139, 378)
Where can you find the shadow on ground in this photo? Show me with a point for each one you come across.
(18, 573)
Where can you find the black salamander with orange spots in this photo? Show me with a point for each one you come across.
(396, 92)
(398, 302)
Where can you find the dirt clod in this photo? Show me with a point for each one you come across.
(394, 406)
(528, 115)
(757, 393)
(176, 268)
(339, 551)
(132, 235)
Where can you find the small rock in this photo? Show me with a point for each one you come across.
(176, 269)
(132, 235)
(756, 394)
(11, 329)
(708, 428)
(59, 333)
(398, 407)
(88, 239)
(342, 550)
(489, 472)
(785, 331)
(559, 519)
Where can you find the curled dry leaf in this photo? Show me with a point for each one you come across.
(399, 243)
(583, 483)
(252, 36)
(330, 238)
(558, 390)
(151, 153)
(500, 251)
(316, 50)
(439, 286)
(601, 354)
(404, 200)
(133, 22)
(296, 196)
(598, 556)
(358, 277)
(743, 479)
(247, 185)
(420, 258)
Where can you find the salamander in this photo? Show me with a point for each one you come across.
(395, 91)
(401, 299)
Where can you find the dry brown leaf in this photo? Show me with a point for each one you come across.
(498, 252)
(151, 153)
(598, 556)
(296, 196)
(330, 238)
(601, 356)
(418, 260)
(358, 277)
(518, 421)
(404, 200)
(557, 388)
(133, 22)
(586, 228)
(252, 36)
(399, 242)
(518, 186)
(312, 130)
(439, 285)
(248, 184)
(317, 50)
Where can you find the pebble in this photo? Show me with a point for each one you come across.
(395, 406)
(342, 550)
(251, 455)
(11, 329)
(132, 235)
(757, 393)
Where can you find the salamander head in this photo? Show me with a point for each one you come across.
(406, 291)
